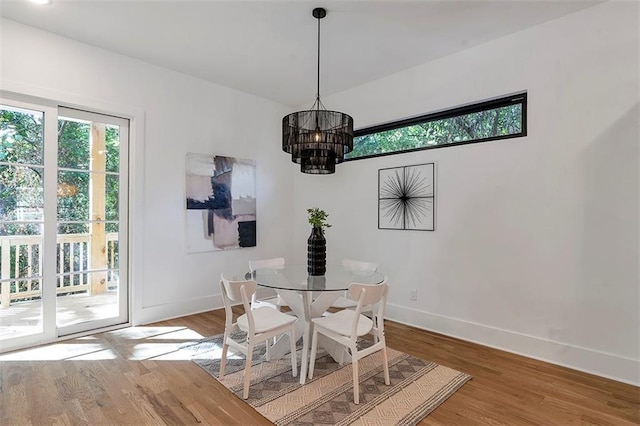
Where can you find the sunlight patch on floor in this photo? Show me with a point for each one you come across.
(144, 351)
(57, 352)
(143, 332)
(184, 334)
(104, 354)
(135, 343)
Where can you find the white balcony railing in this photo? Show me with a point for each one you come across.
(21, 266)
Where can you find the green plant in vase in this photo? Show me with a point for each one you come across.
(317, 244)
(318, 218)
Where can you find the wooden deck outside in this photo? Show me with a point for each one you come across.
(23, 318)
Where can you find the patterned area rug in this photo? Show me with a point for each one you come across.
(417, 387)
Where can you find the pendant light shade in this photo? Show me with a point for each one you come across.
(317, 139)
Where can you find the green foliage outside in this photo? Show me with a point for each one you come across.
(21, 143)
(21, 177)
(481, 125)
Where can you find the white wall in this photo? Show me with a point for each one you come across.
(536, 242)
(172, 114)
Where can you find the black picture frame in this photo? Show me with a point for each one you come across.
(407, 197)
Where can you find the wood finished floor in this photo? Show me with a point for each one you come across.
(136, 376)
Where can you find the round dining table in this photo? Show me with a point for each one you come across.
(295, 277)
(308, 297)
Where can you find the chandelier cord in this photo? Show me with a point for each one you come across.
(318, 79)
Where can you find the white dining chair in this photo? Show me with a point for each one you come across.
(267, 296)
(344, 327)
(355, 266)
(261, 325)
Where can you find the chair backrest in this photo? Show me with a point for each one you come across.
(369, 295)
(237, 291)
(232, 290)
(359, 266)
(275, 263)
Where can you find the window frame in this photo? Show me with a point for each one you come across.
(503, 101)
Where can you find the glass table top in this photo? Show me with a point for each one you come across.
(296, 277)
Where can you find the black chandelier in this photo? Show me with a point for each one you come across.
(317, 139)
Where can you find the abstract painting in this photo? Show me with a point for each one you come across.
(406, 197)
(221, 202)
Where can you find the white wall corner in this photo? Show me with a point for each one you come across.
(602, 364)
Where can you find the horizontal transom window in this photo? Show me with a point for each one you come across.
(501, 118)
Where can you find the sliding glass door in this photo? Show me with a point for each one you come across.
(63, 222)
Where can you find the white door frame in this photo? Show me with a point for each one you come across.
(33, 101)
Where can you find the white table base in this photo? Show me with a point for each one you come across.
(307, 305)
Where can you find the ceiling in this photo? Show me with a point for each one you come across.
(268, 48)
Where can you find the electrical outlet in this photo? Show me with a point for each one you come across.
(414, 295)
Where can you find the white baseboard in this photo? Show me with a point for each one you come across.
(149, 314)
(602, 364)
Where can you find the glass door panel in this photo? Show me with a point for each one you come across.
(91, 205)
(21, 222)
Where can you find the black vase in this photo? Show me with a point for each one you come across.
(316, 252)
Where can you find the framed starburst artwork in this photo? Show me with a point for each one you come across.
(407, 198)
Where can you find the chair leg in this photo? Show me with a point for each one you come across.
(314, 350)
(305, 350)
(343, 352)
(267, 346)
(374, 318)
(223, 359)
(356, 377)
(247, 371)
(311, 331)
(294, 361)
(386, 366)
